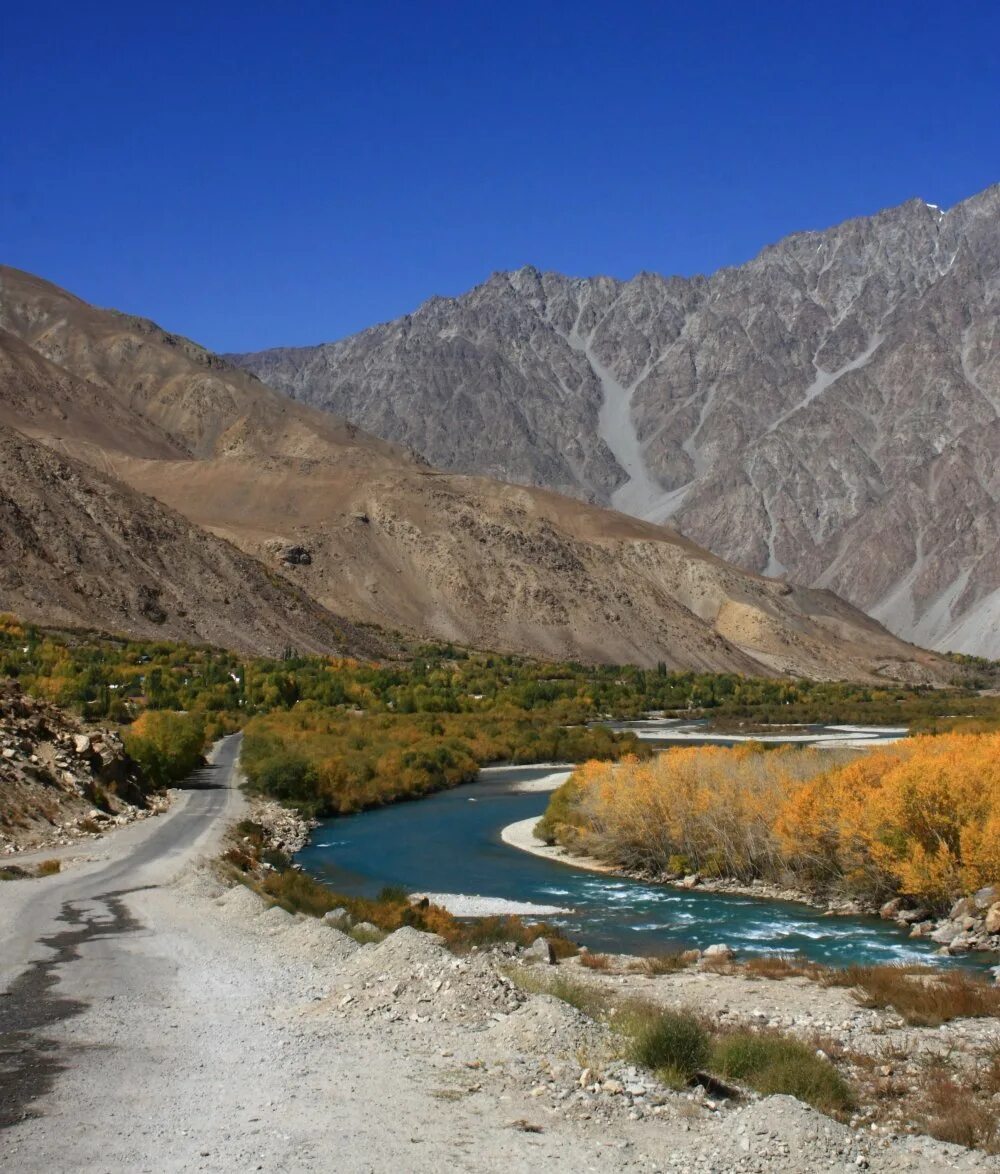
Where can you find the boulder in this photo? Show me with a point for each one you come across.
(338, 918)
(962, 942)
(891, 909)
(912, 916)
(718, 953)
(946, 933)
(690, 882)
(962, 908)
(541, 950)
(987, 896)
(81, 743)
(992, 922)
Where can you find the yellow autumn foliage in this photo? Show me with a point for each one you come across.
(919, 818)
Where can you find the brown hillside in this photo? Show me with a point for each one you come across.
(82, 549)
(390, 541)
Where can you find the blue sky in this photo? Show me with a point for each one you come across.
(260, 174)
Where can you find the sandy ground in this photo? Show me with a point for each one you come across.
(522, 835)
(546, 783)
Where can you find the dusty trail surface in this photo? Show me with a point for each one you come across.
(153, 1020)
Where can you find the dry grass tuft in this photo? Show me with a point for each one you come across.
(923, 996)
(949, 1111)
(595, 961)
(655, 964)
(778, 966)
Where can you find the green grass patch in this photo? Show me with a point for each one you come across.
(679, 1046)
(673, 1044)
(772, 1063)
(588, 999)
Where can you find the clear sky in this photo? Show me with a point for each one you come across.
(256, 174)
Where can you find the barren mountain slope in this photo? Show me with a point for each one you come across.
(494, 565)
(830, 410)
(81, 549)
(373, 534)
(206, 406)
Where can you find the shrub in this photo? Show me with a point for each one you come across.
(333, 763)
(778, 966)
(948, 1112)
(48, 868)
(367, 934)
(297, 892)
(289, 778)
(482, 932)
(920, 818)
(655, 964)
(167, 746)
(589, 1000)
(674, 1044)
(771, 1063)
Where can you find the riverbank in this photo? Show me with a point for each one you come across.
(973, 923)
(522, 835)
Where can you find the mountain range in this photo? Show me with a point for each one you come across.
(150, 486)
(827, 413)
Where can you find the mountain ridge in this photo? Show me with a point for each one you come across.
(795, 414)
(362, 530)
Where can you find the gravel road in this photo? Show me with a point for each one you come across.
(154, 1021)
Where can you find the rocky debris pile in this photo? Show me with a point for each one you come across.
(305, 938)
(286, 830)
(535, 1063)
(544, 1026)
(412, 975)
(973, 922)
(604, 1090)
(61, 780)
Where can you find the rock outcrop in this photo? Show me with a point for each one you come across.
(60, 779)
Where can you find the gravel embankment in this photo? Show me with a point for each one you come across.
(236, 1037)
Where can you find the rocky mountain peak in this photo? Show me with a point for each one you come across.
(828, 411)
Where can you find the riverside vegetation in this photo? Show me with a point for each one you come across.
(918, 820)
(485, 705)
